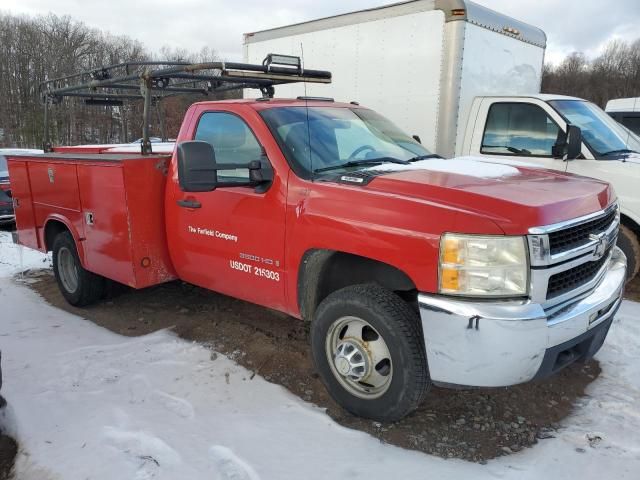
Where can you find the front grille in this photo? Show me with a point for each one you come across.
(564, 282)
(573, 237)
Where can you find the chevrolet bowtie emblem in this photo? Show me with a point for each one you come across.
(601, 245)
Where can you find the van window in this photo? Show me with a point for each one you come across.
(519, 129)
(232, 141)
(632, 122)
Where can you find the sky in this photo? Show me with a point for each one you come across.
(570, 25)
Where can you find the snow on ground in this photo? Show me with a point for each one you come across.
(88, 403)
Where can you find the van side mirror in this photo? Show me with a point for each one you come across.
(198, 169)
(569, 144)
(417, 139)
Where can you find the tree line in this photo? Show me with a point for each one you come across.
(615, 73)
(35, 49)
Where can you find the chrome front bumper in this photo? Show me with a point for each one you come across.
(493, 344)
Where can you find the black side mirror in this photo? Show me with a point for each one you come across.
(574, 142)
(569, 144)
(197, 170)
(417, 139)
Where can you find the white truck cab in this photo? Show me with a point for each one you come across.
(533, 129)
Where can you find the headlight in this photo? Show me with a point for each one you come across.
(485, 266)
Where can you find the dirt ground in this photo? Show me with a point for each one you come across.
(474, 425)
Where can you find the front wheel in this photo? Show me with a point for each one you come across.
(79, 287)
(368, 348)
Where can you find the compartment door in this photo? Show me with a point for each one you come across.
(23, 204)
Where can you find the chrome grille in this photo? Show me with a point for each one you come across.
(578, 235)
(568, 259)
(569, 280)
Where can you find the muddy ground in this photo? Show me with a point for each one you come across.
(474, 425)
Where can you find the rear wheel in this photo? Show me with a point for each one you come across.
(630, 245)
(78, 286)
(368, 348)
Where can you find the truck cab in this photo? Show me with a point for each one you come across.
(534, 129)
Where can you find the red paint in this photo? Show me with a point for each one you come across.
(250, 245)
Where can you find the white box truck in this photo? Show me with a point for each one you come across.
(466, 80)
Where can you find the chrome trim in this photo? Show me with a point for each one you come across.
(573, 222)
(545, 265)
(540, 248)
(7, 218)
(540, 283)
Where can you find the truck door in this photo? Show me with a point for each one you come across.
(509, 129)
(231, 240)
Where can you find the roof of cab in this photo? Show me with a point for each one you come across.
(263, 103)
(623, 105)
(545, 97)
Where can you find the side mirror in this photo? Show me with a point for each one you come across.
(198, 169)
(417, 139)
(574, 142)
(569, 144)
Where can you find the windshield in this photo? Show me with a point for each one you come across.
(4, 170)
(600, 132)
(338, 136)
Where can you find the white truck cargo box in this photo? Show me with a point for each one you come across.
(420, 62)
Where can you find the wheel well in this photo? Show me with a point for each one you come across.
(629, 223)
(322, 272)
(52, 229)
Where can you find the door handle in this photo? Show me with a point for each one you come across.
(189, 203)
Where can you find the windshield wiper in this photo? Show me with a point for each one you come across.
(358, 163)
(519, 151)
(622, 150)
(423, 157)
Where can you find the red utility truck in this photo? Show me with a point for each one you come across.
(412, 270)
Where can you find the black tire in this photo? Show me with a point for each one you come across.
(399, 326)
(630, 245)
(90, 287)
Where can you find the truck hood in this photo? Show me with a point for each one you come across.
(516, 197)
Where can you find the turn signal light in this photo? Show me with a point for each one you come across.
(449, 279)
(451, 253)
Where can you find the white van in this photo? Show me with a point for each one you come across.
(625, 111)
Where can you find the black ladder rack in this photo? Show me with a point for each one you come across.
(153, 81)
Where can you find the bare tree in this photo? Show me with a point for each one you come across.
(35, 49)
(613, 74)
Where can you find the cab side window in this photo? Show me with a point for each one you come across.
(519, 129)
(232, 140)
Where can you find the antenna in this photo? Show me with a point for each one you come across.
(306, 106)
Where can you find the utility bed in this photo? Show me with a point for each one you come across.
(113, 204)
